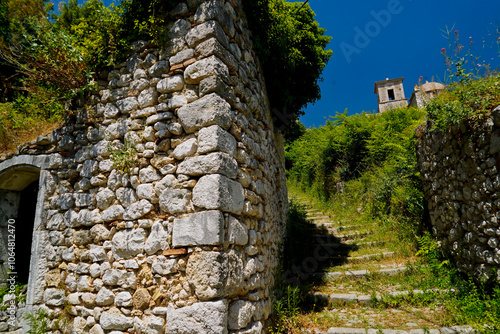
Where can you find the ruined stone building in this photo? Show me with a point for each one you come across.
(390, 94)
(159, 207)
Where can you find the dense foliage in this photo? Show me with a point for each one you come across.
(363, 159)
(469, 102)
(292, 47)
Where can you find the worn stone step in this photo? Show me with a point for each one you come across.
(346, 298)
(360, 273)
(443, 330)
(317, 218)
(354, 235)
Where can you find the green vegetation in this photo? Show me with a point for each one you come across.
(48, 60)
(19, 291)
(468, 103)
(364, 160)
(123, 157)
(38, 322)
(292, 48)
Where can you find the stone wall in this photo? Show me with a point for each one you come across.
(184, 237)
(460, 173)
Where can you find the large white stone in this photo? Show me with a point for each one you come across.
(209, 110)
(213, 163)
(105, 297)
(163, 266)
(205, 317)
(115, 320)
(216, 274)
(146, 191)
(214, 138)
(114, 212)
(157, 239)
(240, 314)
(149, 174)
(137, 210)
(148, 97)
(237, 232)
(104, 198)
(170, 84)
(205, 31)
(219, 192)
(202, 228)
(211, 66)
(128, 243)
(174, 200)
(123, 299)
(185, 149)
(128, 104)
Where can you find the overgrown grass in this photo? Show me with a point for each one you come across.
(25, 120)
(469, 103)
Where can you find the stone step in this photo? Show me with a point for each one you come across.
(316, 218)
(353, 235)
(443, 330)
(346, 298)
(342, 256)
(359, 273)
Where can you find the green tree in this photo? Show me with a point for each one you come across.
(292, 48)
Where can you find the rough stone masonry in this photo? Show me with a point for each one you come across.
(185, 238)
(460, 172)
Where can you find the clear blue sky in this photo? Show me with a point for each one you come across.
(406, 43)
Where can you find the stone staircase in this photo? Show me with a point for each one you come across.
(346, 256)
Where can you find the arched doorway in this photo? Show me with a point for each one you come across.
(19, 187)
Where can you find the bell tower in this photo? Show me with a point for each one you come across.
(390, 94)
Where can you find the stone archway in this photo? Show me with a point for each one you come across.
(22, 194)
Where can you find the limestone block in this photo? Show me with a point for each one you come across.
(90, 167)
(202, 228)
(115, 320)
(141, 299)
(127, 104)
(139, 84)
(240, 314)
(179, 29)
(104, 198)
(112, 276)
(137, 210)
(115, 179)
(89, 217)
(177, 101)
(211, 66)
(181, 56)
(97, 253)
(148, 97)
(187, 148)
(216, 274)
(157, 239)
(209, 110)
(126, 196)
(99, 233)
(254, 328)
(213, 10)
(149, 174)
(158, 69)
(146, 191)
(163, 266)
(168, 182)
(204, 31)
(237, 232)
(114, 212)
(65, 201)
(84, 283)
(204, 317)
(54, 297)
(175, 128)
(159, 117)
(128, 281)
(170, 84)
(175, 200)
(81, 238)
(219, 192)
(213, 163)
(123, 299)
(213, 47)
(128, 243)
